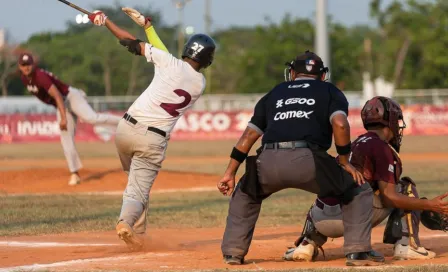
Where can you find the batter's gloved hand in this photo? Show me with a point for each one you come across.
(98, 18)
(133, 46)
(226, 185)
(137, 17)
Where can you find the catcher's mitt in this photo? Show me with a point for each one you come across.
(434, 220)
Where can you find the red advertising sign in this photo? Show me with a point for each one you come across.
(197, 125)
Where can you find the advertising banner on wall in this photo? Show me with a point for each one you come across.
(200, 125)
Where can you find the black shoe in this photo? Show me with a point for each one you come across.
(233, 260)
(364, 258)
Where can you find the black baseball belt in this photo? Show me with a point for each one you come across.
(131, 120)
(286, 145)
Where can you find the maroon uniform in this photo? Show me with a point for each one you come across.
(40, 82)
(375, 159)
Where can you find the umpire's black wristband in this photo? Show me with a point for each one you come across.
(344, 150)
(238, 155)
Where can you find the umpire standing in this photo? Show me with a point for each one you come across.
(297, 119)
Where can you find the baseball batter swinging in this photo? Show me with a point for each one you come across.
(143, 133)
(71, 104)
(375, 155)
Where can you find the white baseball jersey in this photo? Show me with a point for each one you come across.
(174, 89)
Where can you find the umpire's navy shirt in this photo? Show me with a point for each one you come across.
(299, 110)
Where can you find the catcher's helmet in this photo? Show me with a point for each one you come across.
(200, 48)
(383, 111)
(307, 63)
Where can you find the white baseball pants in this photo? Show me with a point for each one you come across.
(77, 107)
(141, 154)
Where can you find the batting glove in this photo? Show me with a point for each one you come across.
(98, 18)
(136, 16)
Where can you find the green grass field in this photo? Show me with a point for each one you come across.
(414, 144)
(423, 171)
(30, 215)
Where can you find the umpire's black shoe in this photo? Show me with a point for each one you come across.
(372, 258)
(233, 260)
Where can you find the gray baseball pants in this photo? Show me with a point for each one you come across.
(141, 154)
(76, 107)
(328, 221)
(292, 168)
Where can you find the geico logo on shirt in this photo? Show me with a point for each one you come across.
(292, 114)
(296, 100)
(300, 101)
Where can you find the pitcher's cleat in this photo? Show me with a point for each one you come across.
(74, 180)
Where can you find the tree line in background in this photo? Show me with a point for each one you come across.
(406, 48)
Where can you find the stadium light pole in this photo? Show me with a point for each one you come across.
(208, 22)
(321, 41)
(180, 5)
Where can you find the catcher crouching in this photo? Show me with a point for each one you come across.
(376, 155)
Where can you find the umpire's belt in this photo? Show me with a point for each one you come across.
(286, 145)
(130, 119)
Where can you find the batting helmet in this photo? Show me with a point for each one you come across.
(200, 48)
(383, 111)
(308, 63)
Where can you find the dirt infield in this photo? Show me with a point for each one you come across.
(167, 249)
(54, 180)
(186, 249)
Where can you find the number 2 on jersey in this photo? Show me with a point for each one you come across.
(172, 108)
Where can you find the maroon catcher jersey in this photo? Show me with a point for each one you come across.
(40, 82)
(375, 159)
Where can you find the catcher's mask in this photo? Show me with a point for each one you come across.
(308, 64)
(383, 111)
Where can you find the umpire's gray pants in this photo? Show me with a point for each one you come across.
(141, 154)
(292, 168)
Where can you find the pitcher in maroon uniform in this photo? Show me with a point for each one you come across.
(71, 104)
(375, 155)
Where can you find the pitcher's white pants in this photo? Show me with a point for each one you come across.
(77, 107)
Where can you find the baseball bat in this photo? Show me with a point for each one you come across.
(75, 7)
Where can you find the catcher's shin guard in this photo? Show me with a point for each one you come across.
(394, 231)
(307, 244)
(309, 231)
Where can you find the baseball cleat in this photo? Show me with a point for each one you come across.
(369, 258)
(74, 180)
(233, 260)
(403, 252)
(133, 240)
(307, 251)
